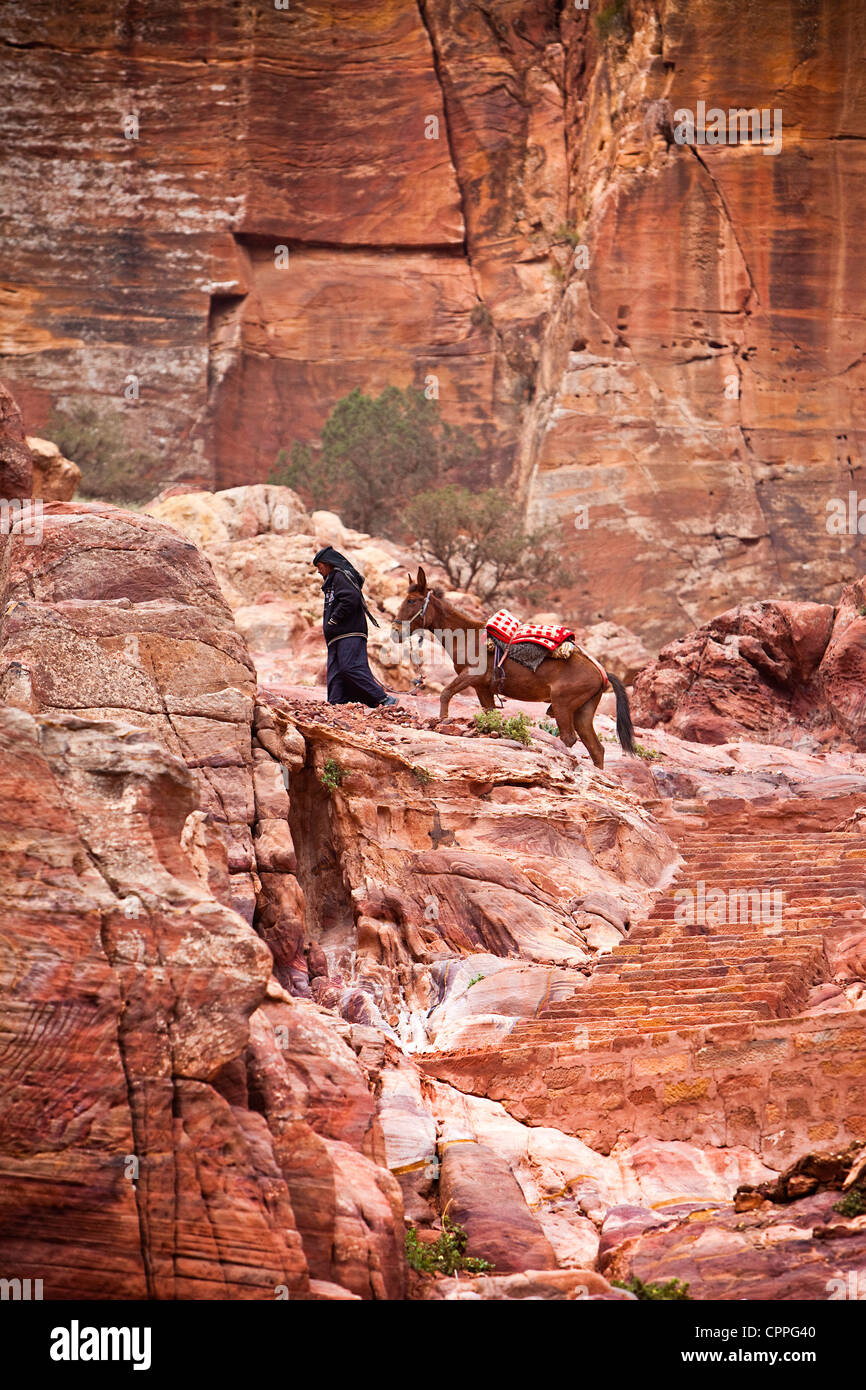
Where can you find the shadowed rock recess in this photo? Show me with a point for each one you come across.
(279, 205)
(281, 979)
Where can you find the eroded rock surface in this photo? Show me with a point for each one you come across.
(334, 971)
(784, 673)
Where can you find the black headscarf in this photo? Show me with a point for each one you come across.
(330, 556)
(333, 557)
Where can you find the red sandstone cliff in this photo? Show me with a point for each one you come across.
(696, 381)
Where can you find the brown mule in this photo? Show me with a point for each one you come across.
(573, 688)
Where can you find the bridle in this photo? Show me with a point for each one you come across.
(422, 610)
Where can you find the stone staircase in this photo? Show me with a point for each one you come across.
(693, 1027)
(749, 942)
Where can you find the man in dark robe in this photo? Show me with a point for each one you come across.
(344, 622)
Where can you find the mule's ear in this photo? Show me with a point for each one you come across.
(421, 580)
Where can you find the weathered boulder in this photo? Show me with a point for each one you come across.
(114, 613)
(16, 460)
(784, 673)
(803, 1251)
(55, 478)
(434, 847)
(481, 1194)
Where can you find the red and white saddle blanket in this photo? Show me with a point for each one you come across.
(509, 629)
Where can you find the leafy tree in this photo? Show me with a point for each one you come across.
(375, 453)
(480, 541)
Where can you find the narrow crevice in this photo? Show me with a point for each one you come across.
(753, 289)
(437, 68)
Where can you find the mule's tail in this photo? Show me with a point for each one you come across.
(624, 730)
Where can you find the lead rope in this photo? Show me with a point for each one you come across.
(419, 679)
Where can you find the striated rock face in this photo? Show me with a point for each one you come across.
(126, 986)
(786, 673)
(398, 196)
(435, 847)
(698, 393)
(157, 1141)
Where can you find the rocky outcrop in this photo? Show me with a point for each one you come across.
(660, 341)
(804, 1252)
(437, 859)
(112, 614)
(785, 673)
(16, 461)
(55, 478)
(193, 1135)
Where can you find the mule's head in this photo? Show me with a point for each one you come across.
(414, 612)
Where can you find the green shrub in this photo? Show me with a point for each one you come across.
(422, 775)
(853, 1203)
(474, 980)
(373, 453)
(332, 775)
(672, 1291)
(446, 1256)
(550, 726)
(516, 726)
(96, 437)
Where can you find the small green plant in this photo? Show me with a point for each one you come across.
(568, 234)
(862, 610)
(516, 726)
(672, 1291)
(853, 1203)
(649, 755)
(474, 980)
(447, 1255)
(489, 721)
(332, 775)
(613, 21)
(549, 726)
(422, 775)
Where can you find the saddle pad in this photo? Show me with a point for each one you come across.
(509, 629)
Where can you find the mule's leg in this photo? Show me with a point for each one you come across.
(460, 682)
(562, 714)
(582, 719)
